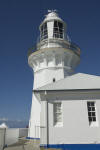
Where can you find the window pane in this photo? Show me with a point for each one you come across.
(89, 114)
(55, 29)
(90, 119)
(93, 108)
(88, 103)
(44, 32)
(60, 25)
(94, 118)
(55, 23)
(92, 103)
(45, 25)
(91, 111)
(41, 28)
(58, 29)
(61, 35)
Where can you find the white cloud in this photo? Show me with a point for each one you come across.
(3, 119)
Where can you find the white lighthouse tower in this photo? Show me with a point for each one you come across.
(54, 58)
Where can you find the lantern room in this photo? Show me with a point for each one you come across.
(52, 27)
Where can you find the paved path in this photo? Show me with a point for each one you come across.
(24, 144)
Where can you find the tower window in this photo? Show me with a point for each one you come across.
(44, 32)
(91, 113)
(57, 112)
(58, 30)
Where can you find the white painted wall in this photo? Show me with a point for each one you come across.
(46, 76)
(43, 122)
(50, 25)
(75, 127)
(34, 123)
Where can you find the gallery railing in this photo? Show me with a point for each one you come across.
(67, 44)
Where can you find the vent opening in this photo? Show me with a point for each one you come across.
(54, 79)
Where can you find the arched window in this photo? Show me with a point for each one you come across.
(58, 31)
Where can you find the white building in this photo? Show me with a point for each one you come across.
(65, 106)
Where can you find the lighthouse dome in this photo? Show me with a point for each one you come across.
(52, 15)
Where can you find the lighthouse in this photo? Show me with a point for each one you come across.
(53, 58)
(65, 112)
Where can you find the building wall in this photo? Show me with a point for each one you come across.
(46, 76)
(54, 61)
(43, 122)
(41, 78)
(34, 122)
(75, 127)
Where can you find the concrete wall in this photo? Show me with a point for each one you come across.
(75, 127)
(11, 136)
(23, 132)
(2, 138)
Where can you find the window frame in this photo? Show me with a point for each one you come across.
(44, 31)
(58, 32)
(92, 113)
(57, 123)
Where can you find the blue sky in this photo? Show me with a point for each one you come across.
(19, 22)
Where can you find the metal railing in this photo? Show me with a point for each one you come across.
(66, 44)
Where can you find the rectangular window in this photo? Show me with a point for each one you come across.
(44, 32)
(92, 113)
(57, 109)
(58, 30)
